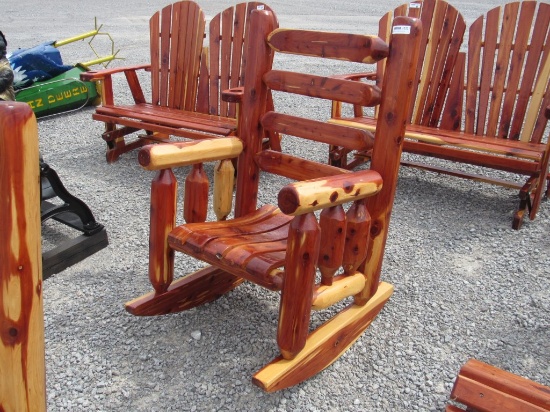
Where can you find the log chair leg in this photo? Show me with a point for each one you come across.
(192, 290)
(163, 218)
(297, 292)
(524, 203)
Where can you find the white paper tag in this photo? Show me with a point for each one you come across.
(262, 7)
(401, 30)
(414, 5)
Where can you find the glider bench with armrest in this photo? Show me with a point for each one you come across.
(486, 110)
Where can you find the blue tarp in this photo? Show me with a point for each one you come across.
(36, 64)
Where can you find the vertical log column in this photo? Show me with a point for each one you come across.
(297, 294)
(195, 201)
(22, 361)
(163, 218)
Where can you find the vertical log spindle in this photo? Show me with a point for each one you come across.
(224, 181)
(195, 202)
(357, 236)
(163, 218)
(297, 292)
(333, 238)
(22, 359)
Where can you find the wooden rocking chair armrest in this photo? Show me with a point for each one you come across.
(164, 156)
(234, 95)
(94, 75)
(310, 195)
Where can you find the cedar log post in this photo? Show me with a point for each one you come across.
(22, 359)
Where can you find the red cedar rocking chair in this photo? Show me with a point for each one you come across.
(281, 248)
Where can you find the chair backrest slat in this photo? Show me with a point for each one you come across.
(176, 38)
(516, 63)
(508, 71)
(319, 131)
(341, 46)
(227, 33)
(328, 88)
(446, 32)
(443, 29)
(294, 167)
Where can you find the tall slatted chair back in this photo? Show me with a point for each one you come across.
(176, 39)
(281, 248)
(508, 72)
(177, 34)
(437, 85)
(227, 34)
(443, 32)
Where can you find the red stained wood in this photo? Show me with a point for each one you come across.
(254, 103)
(483, 387)
(350, 47)
(333, 238)
(294, 167)
(451, 118)
(504, 88)
(297, 293)
(388, 144)
(447, 31)
(332, 347)
(275, 250)
(163, 218)
(172, 118)
(301, 197)
(180, 69)
(537, 49)
(323, 87)
(251, 246)
(358, 223)
(433, 93)
(350, 137)
(227, 36)
(195, 204)
(23, 385)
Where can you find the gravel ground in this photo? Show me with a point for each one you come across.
(466, 284)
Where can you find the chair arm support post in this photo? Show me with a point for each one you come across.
(358, 224)
(310, 195)
(164, 190)
(332, 221)
(195, 203)
(224, 182)
(294, 313)
(157, 157)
